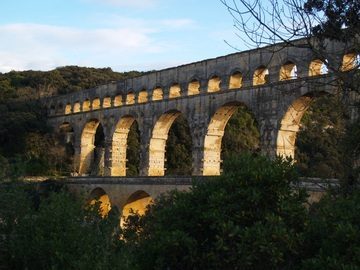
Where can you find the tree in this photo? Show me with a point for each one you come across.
(310, 24)
(178, 148)
(314, 22)
(55, 232)
(323, 123)
(26, 141)
(332, 239)
(285, 21)
(248, 218)
(133, 150)
(241, 134)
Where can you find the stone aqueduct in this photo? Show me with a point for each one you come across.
(276, 83)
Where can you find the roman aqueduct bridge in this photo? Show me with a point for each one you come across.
(276, 83)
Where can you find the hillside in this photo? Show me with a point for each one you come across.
(27, 145)
(62, 80)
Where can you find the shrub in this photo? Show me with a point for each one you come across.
(249, 218)
(333, 236)
(58, 233)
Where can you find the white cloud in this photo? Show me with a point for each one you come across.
(162, 24)
(128, 3)
(36, 46)
(121, 43)
(178, 23)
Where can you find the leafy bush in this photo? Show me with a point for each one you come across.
(57, 233)
(249, 218)
(333, 236)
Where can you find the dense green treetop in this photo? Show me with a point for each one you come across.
(27, 145)
(61, 80)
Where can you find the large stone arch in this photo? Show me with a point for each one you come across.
(119, 145)
(99, 195)
(213, 138)
(158, 142)
(87, 146)
(136, 203)
(290, 123)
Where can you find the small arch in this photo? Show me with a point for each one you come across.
(130, 98)
(317, 67)
(98, 195)
(143, 96)
(60, 108)
(86, 105)
(288, 71)
(158, 143)
(261, 76)
(157, 94)
(117, 100)
(175, 91)
(194, 87)
(214, 84)
(106, 102)
(235, 80)
(350, 61)
(136, 203)
(77, 107)
(68, 109)
(96, 104)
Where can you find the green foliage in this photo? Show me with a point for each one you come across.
(59, 81)
(339, 19)
(179, 148)
(333, 236)
(25, 140)
(249, 218)
(133, 151)
(241, 134)
(320, 148)
(58, 234)
(4, 168)
(351, 145)
(78, 78)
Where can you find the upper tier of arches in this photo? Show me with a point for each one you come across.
(215, 82)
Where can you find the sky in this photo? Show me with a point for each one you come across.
(122, 34)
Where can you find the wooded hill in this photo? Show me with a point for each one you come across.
(62, 80)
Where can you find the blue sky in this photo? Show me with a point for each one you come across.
(121, 34)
